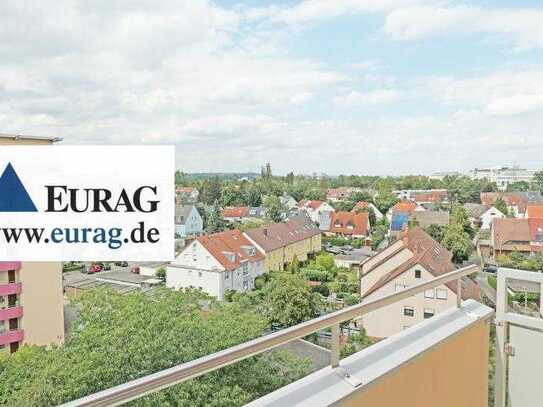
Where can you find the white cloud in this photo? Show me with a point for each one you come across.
(521, 27)
(499, 93)
(301, 98)
(371, 98)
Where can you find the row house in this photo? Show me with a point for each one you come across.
(517, 202)
(186, 195)
(283, 241)
(481, 216)
(516, 235)
(412, 260)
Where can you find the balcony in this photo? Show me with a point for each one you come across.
(441, 361)
(9, 265)
(12, 312)
(12, 336)
(10, 288)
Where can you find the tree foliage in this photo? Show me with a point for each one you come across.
(288, 300)
(118, 338)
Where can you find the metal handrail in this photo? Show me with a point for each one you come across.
(157, 381)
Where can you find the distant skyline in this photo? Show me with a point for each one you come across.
(388, 87)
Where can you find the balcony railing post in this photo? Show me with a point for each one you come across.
(334, 357)
(459, 293)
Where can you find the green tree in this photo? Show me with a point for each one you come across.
(274, 208)
(326, 261)
(436, 231)
(501, 206)
(458, 242)
(117, 338)
(288, 300)
(161, 273)
(211, 190)
(385, 200)
(538, 180)
(214, 221)
(294, 265)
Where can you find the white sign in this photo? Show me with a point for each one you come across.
(86, 203)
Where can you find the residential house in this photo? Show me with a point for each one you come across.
(314, 209)
(363, 205)
(236, 213)
(516, 235)
(288, 202)
(216, 263)
(186, 195)
(481, 215)
(31, 297)
(424, 219)
(412, 260)
(350, 225)
(405, 206)
(398, 224)
(409, 194)
(188, 222)
(281, 241)
(341, 193)
(516, 202)
(431, 197)
(534, 211)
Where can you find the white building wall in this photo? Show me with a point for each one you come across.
(368, 280)
(486, 218)
(390, 320)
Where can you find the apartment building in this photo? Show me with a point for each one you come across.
(503, 176)
(217, 263)
(415, 259)
(31, 297)
(281, 242)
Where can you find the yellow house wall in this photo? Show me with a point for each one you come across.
(454, 374)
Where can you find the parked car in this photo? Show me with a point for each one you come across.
(121, 263)
(106, 266)
(93, 268)
(490, 268)
(135, 269)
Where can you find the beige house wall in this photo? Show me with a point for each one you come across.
(42, 301)
(453, 374)
(368, 280)
(390, 320)
(381, 255)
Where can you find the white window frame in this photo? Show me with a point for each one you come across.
(408, 307)
(427, 293)
(429, 311)
(441, 290)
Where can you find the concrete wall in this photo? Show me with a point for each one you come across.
(453, 374)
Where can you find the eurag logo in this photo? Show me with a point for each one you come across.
(13, 195)
(106, 203)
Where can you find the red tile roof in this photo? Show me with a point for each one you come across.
(535, 211)
(360, 205)
(433, 257)
(510, 199)
(349, 223)
(430, 196)
(230, 248)
(511, 234)
(405, 206)
(235, 212)
(186, 190)
(304, 203)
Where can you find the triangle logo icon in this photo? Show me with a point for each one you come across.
(13, 195)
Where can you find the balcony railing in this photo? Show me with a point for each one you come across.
(11, 312)
(10, 288)
(11, 336)
(183, 372)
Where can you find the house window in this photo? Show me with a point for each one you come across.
(441, 294)
(409, 311)
(199, 274)
(2, 327)
(11, 276)
(417, 273)
(2, 302)
(429, 293)
(428, 313)
(227, 275)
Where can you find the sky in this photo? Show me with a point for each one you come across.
(311, 86)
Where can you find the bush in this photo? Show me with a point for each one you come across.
(260, 282)
(322, 290)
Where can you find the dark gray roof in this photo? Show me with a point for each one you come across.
(427, 218)
(476, 210)
(182, 212)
